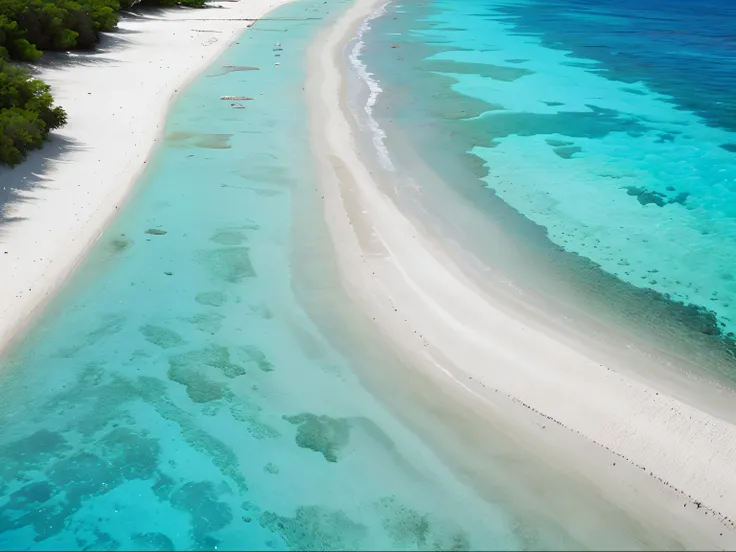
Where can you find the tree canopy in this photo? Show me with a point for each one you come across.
(27, 113)
(27, 29)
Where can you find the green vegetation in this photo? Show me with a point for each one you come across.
(27, 29)
(31, 26)
(27, 114)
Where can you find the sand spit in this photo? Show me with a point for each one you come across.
(116, 100)
(661, 458)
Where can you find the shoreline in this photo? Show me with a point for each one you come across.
(526, 271)
(625, 348)
(119, 94)
(427, 306)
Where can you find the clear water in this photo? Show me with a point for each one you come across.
(612, 125)
(177, 397)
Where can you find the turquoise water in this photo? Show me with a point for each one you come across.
(177, 397)
(609, 125)
(192, 388)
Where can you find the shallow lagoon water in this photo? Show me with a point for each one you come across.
(606, 125)
(175, 396)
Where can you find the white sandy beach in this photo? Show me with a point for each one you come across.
(116, 100)
(660, 456)
(664, 458)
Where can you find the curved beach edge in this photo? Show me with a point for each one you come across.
(661, 459)
(116, 99)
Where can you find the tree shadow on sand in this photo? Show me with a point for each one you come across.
(32, 174)
(104, 53)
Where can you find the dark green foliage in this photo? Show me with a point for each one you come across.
(32, 25)
(12, 43)
(27, 113)
(29, 27)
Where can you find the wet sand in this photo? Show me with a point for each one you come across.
(116, 99)
(656, 456)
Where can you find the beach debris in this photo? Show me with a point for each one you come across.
(241, 68)
(156, 232)
(225, 69)
(236, 98)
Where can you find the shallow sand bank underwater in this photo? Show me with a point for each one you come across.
(427, 305)
(116, 99)
(176, 396)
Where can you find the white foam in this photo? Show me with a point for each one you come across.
(374, 88)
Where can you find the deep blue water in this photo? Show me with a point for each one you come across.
(682, 48)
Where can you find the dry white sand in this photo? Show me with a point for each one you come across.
(664, 459)
(116, 100)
